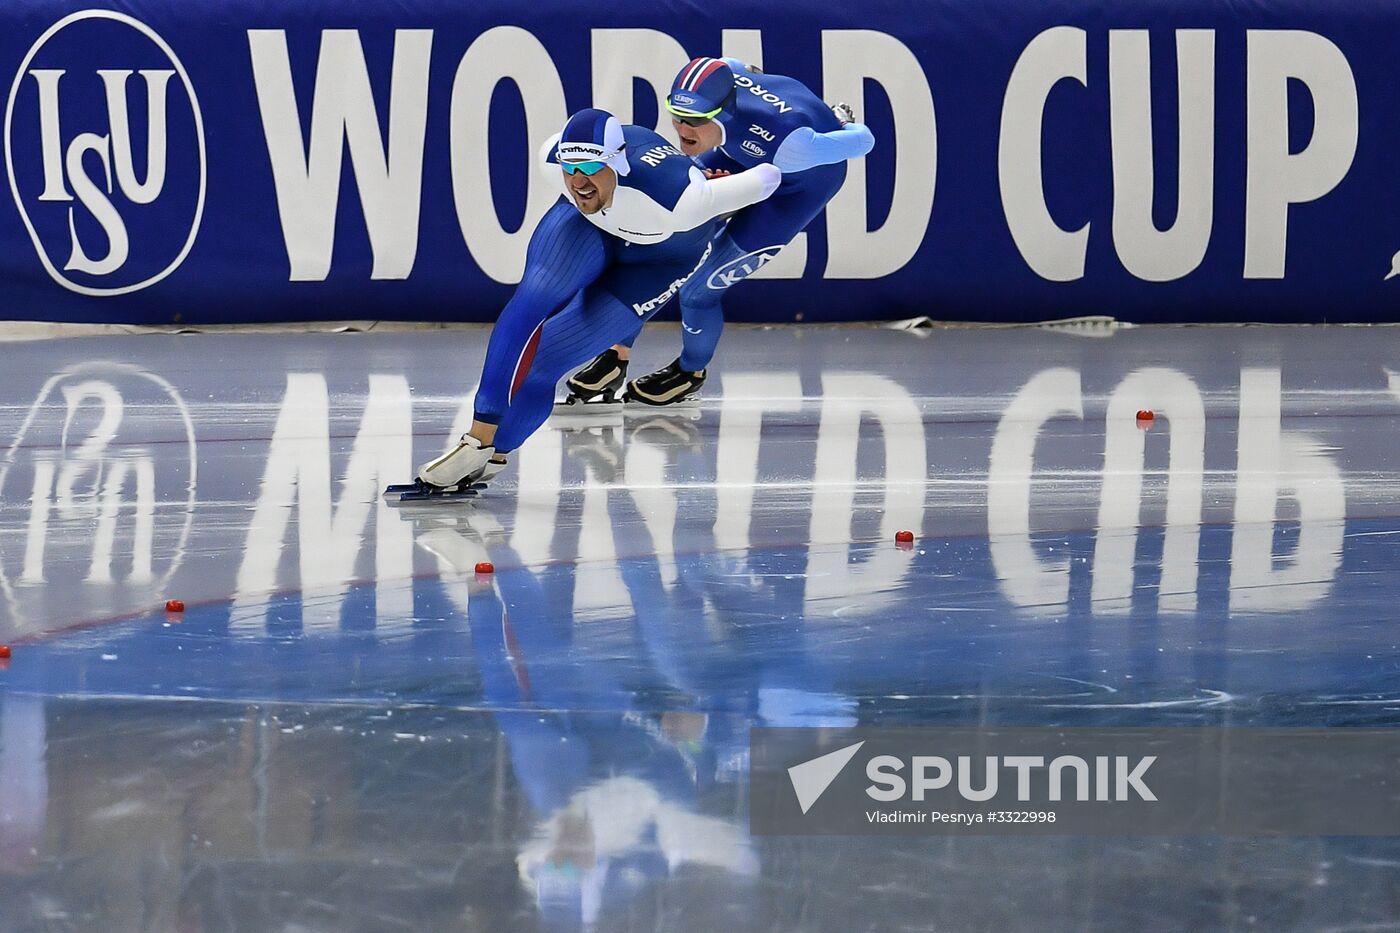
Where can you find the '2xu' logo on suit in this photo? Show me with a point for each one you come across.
(104, 145)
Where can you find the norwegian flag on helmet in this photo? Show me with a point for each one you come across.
(702, 85)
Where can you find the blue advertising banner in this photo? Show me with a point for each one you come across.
(245, 160)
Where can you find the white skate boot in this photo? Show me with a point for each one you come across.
(490, 471)
(460, 466)
(458, 474)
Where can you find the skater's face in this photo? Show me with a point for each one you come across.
(698, 139)
(591, 193)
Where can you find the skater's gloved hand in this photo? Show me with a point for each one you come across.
(716, 172)
(844, 112)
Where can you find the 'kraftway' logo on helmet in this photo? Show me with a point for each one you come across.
(98, 227)
(585, 149)
(736, 270)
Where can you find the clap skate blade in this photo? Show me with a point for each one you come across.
(419, 491)
(604, 412)
(687, 409)
(575, 405)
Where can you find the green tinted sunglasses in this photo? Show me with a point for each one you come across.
(588, 168)
(691, 117)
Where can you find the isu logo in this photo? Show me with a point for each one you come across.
(103, 508)
(99, 225)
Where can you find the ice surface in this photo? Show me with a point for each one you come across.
(348, 729)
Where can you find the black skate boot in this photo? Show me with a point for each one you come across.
(668, 386)
(598, 383)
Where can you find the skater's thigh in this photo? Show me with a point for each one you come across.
(589, 324)
(780, 218)
(566, 253)
(646, 288)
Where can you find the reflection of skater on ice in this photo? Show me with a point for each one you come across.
(614, 837)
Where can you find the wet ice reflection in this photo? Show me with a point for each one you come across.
(99, 486)
(346, 707)
(788, 456)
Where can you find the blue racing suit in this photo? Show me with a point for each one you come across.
(592, 281)
(774, 120)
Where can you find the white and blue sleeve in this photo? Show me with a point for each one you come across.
(707, 198)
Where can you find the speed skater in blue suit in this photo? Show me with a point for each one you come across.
(732, 118)
(636, 220)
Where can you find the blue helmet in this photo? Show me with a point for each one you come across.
(702, 89)
(594, 136)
